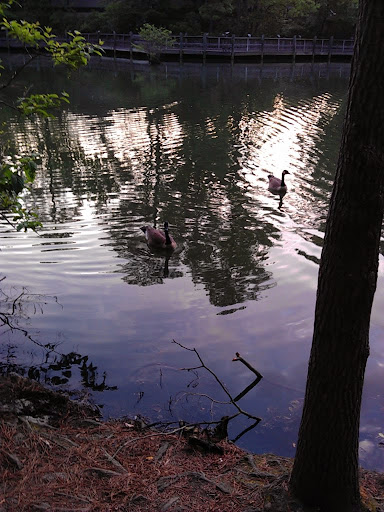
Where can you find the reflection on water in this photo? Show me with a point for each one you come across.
(51, 367)
(193, 145)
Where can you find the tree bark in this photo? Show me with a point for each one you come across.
(325, 471)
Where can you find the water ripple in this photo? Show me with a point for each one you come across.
(195, 149)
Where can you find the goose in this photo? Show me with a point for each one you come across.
(277, 186)
(158, 239)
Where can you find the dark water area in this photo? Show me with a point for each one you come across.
(192, 145)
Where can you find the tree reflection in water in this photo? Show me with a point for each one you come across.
(162, 162)
(55, 368)
(191, 145)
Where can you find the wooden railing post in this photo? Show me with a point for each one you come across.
(314, 48)
(130, 47)
(233, 49)
(181, 42)
(114, 44)
(204, 47)
(294, 49)
(330, 48)
(262, 49)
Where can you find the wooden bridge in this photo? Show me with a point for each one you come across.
(224, 47)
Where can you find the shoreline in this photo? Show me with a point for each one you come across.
(59, 455)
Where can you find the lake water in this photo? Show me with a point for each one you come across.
(94, 309)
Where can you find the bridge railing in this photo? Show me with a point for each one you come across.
(222, 44)
(207, 44)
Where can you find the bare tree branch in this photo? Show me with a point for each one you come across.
(231, 399)
(18, 71)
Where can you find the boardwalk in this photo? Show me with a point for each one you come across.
(208, 47)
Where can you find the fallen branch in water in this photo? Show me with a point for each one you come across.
(231, 401)
(250, 367)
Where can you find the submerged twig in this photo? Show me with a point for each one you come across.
(231, 399)
(254, 383)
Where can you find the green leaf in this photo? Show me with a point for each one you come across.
(41, 104)
(17, 173)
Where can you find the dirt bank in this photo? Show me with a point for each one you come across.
(58, 455)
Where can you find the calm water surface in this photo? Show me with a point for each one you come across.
(192, 145)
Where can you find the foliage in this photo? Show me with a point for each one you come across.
(240, 17)
(154, 39)
(337, 17)
(17, 173)
(213, 12)
(32, 10)
(93, 22)
(42, 103)
(297, 17)
(73, 53)
(121, 16)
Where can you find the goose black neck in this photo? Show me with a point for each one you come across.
(168, 241)
(282, 180)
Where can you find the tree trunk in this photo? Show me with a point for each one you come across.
(325, 471)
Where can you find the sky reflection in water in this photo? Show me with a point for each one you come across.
(194, 146)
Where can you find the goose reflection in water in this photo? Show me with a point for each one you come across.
(278, 186)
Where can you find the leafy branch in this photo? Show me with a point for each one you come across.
(42, 103)
(73, 53)
(17, 175)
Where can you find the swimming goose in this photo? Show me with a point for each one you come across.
(158, 239)
(277, 186)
